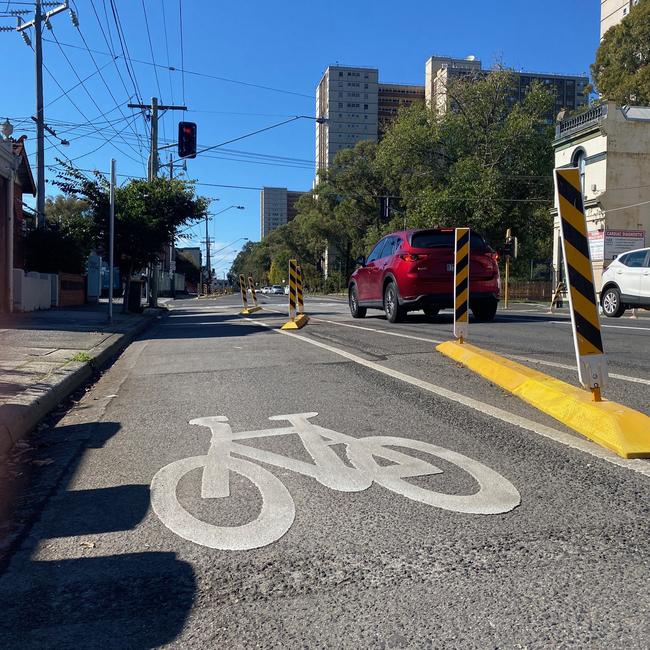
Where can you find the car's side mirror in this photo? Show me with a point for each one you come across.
(361, 260)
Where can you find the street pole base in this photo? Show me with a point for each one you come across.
(250, 310)
(296, 323)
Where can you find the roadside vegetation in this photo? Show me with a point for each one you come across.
(485, 164)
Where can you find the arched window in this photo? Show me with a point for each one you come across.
(579, 160)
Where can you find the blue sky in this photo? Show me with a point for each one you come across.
(280, 45)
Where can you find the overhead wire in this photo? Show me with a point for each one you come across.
(90, 95)
(109, 43)
(205, 75)
(108, 88)
(153, 60)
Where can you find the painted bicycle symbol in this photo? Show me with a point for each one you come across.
(496, 494)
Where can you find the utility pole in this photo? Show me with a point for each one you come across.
(154, 107)
(207, 254)
(111, 243)
(37, 24)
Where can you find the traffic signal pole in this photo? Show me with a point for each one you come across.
(154, 107)
(505, 297)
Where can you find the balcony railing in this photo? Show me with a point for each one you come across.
(579, 122)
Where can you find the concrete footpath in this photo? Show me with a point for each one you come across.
(47, 355)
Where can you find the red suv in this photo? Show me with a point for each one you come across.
(414, 269)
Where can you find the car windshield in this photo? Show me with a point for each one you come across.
(442, 239)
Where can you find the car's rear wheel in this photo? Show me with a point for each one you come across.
(353, 299)
(394, 312)
(611, 302)
(431, 311)
(485, 310)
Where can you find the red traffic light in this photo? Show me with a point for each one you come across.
(187, 139)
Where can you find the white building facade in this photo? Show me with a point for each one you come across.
(612, 13)
(611, 147)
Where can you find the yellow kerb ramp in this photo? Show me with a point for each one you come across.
(617, 427)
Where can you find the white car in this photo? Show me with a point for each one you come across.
(277, 289)
(626, 283)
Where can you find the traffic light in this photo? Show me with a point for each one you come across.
(187, 139)
(510, 248)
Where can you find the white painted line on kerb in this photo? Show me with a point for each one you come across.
(618, 327)
(542, 362)
(579, 444)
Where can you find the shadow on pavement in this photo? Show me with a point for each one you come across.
(89, 600)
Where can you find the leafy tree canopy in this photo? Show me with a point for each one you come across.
(621, 70)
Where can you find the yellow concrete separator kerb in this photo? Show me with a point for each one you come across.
(614, 426)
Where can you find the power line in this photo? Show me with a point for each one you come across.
(108, 88)
(90, 96)
(153, 59)
(205, 75)
(180, 18)
(169, 74)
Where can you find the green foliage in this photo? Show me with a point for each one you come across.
(147, 213)
(52, 250)
(621, 70)
(486, 164)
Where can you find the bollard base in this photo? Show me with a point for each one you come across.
(611, 425)
(250, 310)
(296, 323)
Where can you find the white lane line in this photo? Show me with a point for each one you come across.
(542, 362)
(566, 366)
(618, 327)
(579, 444)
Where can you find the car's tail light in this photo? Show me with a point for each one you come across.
(410, 257)
(494, 256)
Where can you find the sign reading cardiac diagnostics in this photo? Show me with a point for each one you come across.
(617, 242)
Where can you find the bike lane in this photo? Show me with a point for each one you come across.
(356, 567)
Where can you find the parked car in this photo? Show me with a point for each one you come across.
(265, 290)
(626, 283)
(414, 269)
(277, 289)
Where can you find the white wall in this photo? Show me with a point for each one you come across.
(32, 291)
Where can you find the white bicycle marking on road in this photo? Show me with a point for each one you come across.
(496, 494)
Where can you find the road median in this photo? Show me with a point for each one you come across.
(612, 425)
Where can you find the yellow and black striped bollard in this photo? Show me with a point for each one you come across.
(587, 339)
(297, 317)
(255, 307)
(461, 284)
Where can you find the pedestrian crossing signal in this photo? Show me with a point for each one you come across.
(187, 139)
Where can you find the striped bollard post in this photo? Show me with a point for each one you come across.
(300, 302)
(578, 270)
(461, 284)
(297, 317)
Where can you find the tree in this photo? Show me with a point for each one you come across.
(148, 214)
(485, 164)
(65, 242)
(621, 70)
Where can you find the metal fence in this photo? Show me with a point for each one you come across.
(531, 290)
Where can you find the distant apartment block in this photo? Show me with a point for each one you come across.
(612, 13)
(392, 97)
(277, 207)
(347, 98)
(355, 106)
(569, 90)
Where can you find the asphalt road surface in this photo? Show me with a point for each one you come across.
(226, 485)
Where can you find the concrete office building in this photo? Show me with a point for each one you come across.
(347, 97)
(392, 97)
(610, 145)
(277, 207)
(569, 90)
(612, 13)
